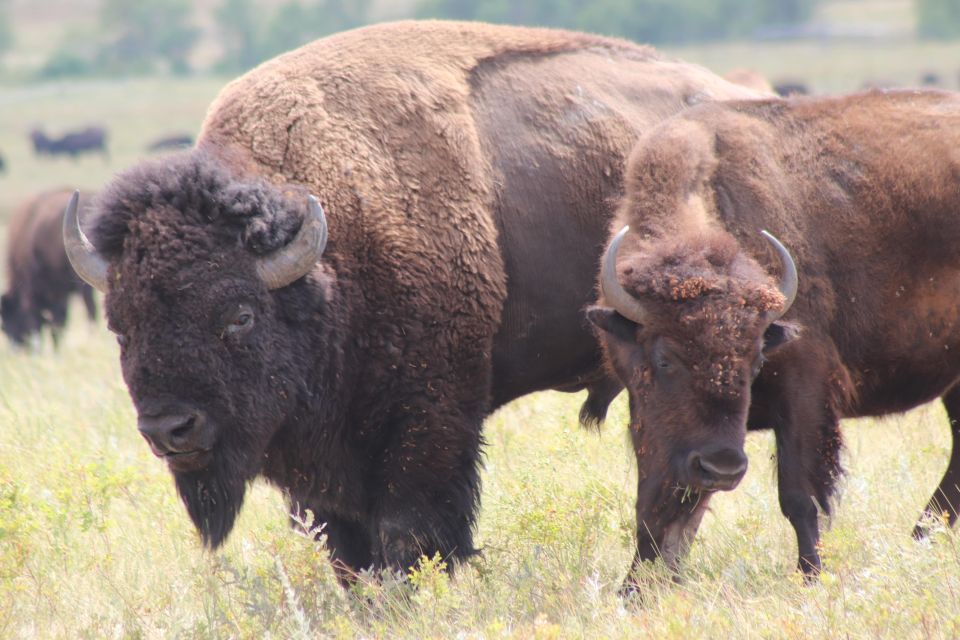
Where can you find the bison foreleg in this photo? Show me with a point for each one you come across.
(808, 449)
(347, 541)
(946, 499)
(428, 498)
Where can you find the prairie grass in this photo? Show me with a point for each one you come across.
(95, 544)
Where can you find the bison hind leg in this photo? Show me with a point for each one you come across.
(945, 501)
(599, 396)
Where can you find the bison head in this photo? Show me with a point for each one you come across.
(200, 273)
(687, 335)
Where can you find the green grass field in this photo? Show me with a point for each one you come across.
(95, 544)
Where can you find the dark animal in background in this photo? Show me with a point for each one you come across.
(467, 172)
(74, 143)
(3, 164)
(40, 279)
(171, 143)
(931, 79)
(866, 200)
(787, 88)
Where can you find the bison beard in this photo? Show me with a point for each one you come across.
(213, 497)
(669, 521)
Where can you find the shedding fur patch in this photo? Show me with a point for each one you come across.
(710, 296)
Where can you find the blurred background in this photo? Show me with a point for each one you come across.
(88, 87)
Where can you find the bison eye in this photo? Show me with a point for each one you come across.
(241, 322)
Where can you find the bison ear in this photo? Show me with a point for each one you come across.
(609, 320)
(778, 334)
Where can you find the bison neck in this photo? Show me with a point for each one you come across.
(313, 456)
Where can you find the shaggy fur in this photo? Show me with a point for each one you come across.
(467, 172)
(40, 280)
(862, 190)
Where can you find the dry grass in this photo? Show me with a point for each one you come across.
(94, 543)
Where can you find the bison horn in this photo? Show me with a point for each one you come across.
(295, 260)
(613, 292)
(788, 281)
(84, 258)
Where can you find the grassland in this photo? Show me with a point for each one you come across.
(94, 542)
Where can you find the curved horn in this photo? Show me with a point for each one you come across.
(83, 257)
(788, 281)
(613, 292)
(293, 261)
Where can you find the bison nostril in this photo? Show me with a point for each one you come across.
(724, 465)
(185, 428)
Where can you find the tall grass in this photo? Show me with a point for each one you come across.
(94, 542)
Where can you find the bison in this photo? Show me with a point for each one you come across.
(171, 142)
(39, 277)
(466, 174)
(73, 143)
(788, 88)
(695, 313)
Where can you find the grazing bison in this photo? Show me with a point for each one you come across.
(72, 143)
(863, 191)
(171, 143)
(39, 278)
(455, 163)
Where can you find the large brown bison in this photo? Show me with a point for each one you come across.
(863, 191)
(40, 280)
(466, 173)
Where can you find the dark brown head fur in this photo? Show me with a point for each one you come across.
(185, 235)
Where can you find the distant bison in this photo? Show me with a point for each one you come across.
(863, 191)
(787, 88)
(89, 140)
(39, 278)
(171, 143)
(467, 172)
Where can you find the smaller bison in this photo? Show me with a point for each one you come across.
(713, 333)
(72, 143)
(39, 275)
